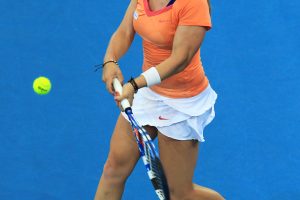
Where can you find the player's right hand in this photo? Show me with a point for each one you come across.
(111, 71)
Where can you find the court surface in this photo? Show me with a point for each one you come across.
(53, 147)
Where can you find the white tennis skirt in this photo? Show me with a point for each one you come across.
(181, 118)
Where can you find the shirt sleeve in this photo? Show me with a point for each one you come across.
(194, 13)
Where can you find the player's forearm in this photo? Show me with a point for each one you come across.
(187, 42)
(118, 45)
(172, 65)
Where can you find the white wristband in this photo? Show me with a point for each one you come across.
(152, 76)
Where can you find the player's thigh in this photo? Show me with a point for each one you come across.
(179, 161)
(123, 153)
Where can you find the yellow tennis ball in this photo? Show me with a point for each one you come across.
(42, 85)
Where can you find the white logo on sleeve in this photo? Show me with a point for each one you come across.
(135, 15)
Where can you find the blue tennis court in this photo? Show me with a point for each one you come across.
(53, 147)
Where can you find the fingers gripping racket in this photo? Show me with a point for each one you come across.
(147, 150)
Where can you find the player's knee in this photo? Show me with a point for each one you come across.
(115, 168)
(112, 172)
(108, 169)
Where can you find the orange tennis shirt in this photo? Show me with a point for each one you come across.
(157, 29)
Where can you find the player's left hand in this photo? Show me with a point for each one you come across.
(127, 93)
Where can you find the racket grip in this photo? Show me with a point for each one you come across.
(118, 88)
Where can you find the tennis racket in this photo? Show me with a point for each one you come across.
(147, 150)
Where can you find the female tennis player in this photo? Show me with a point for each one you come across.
(172, 98)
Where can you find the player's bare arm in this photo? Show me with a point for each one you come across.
(118, 46)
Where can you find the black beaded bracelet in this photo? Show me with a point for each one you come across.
(113, 61)
(102, 65)
(134, 85)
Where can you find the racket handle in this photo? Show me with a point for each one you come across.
(118, 88)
